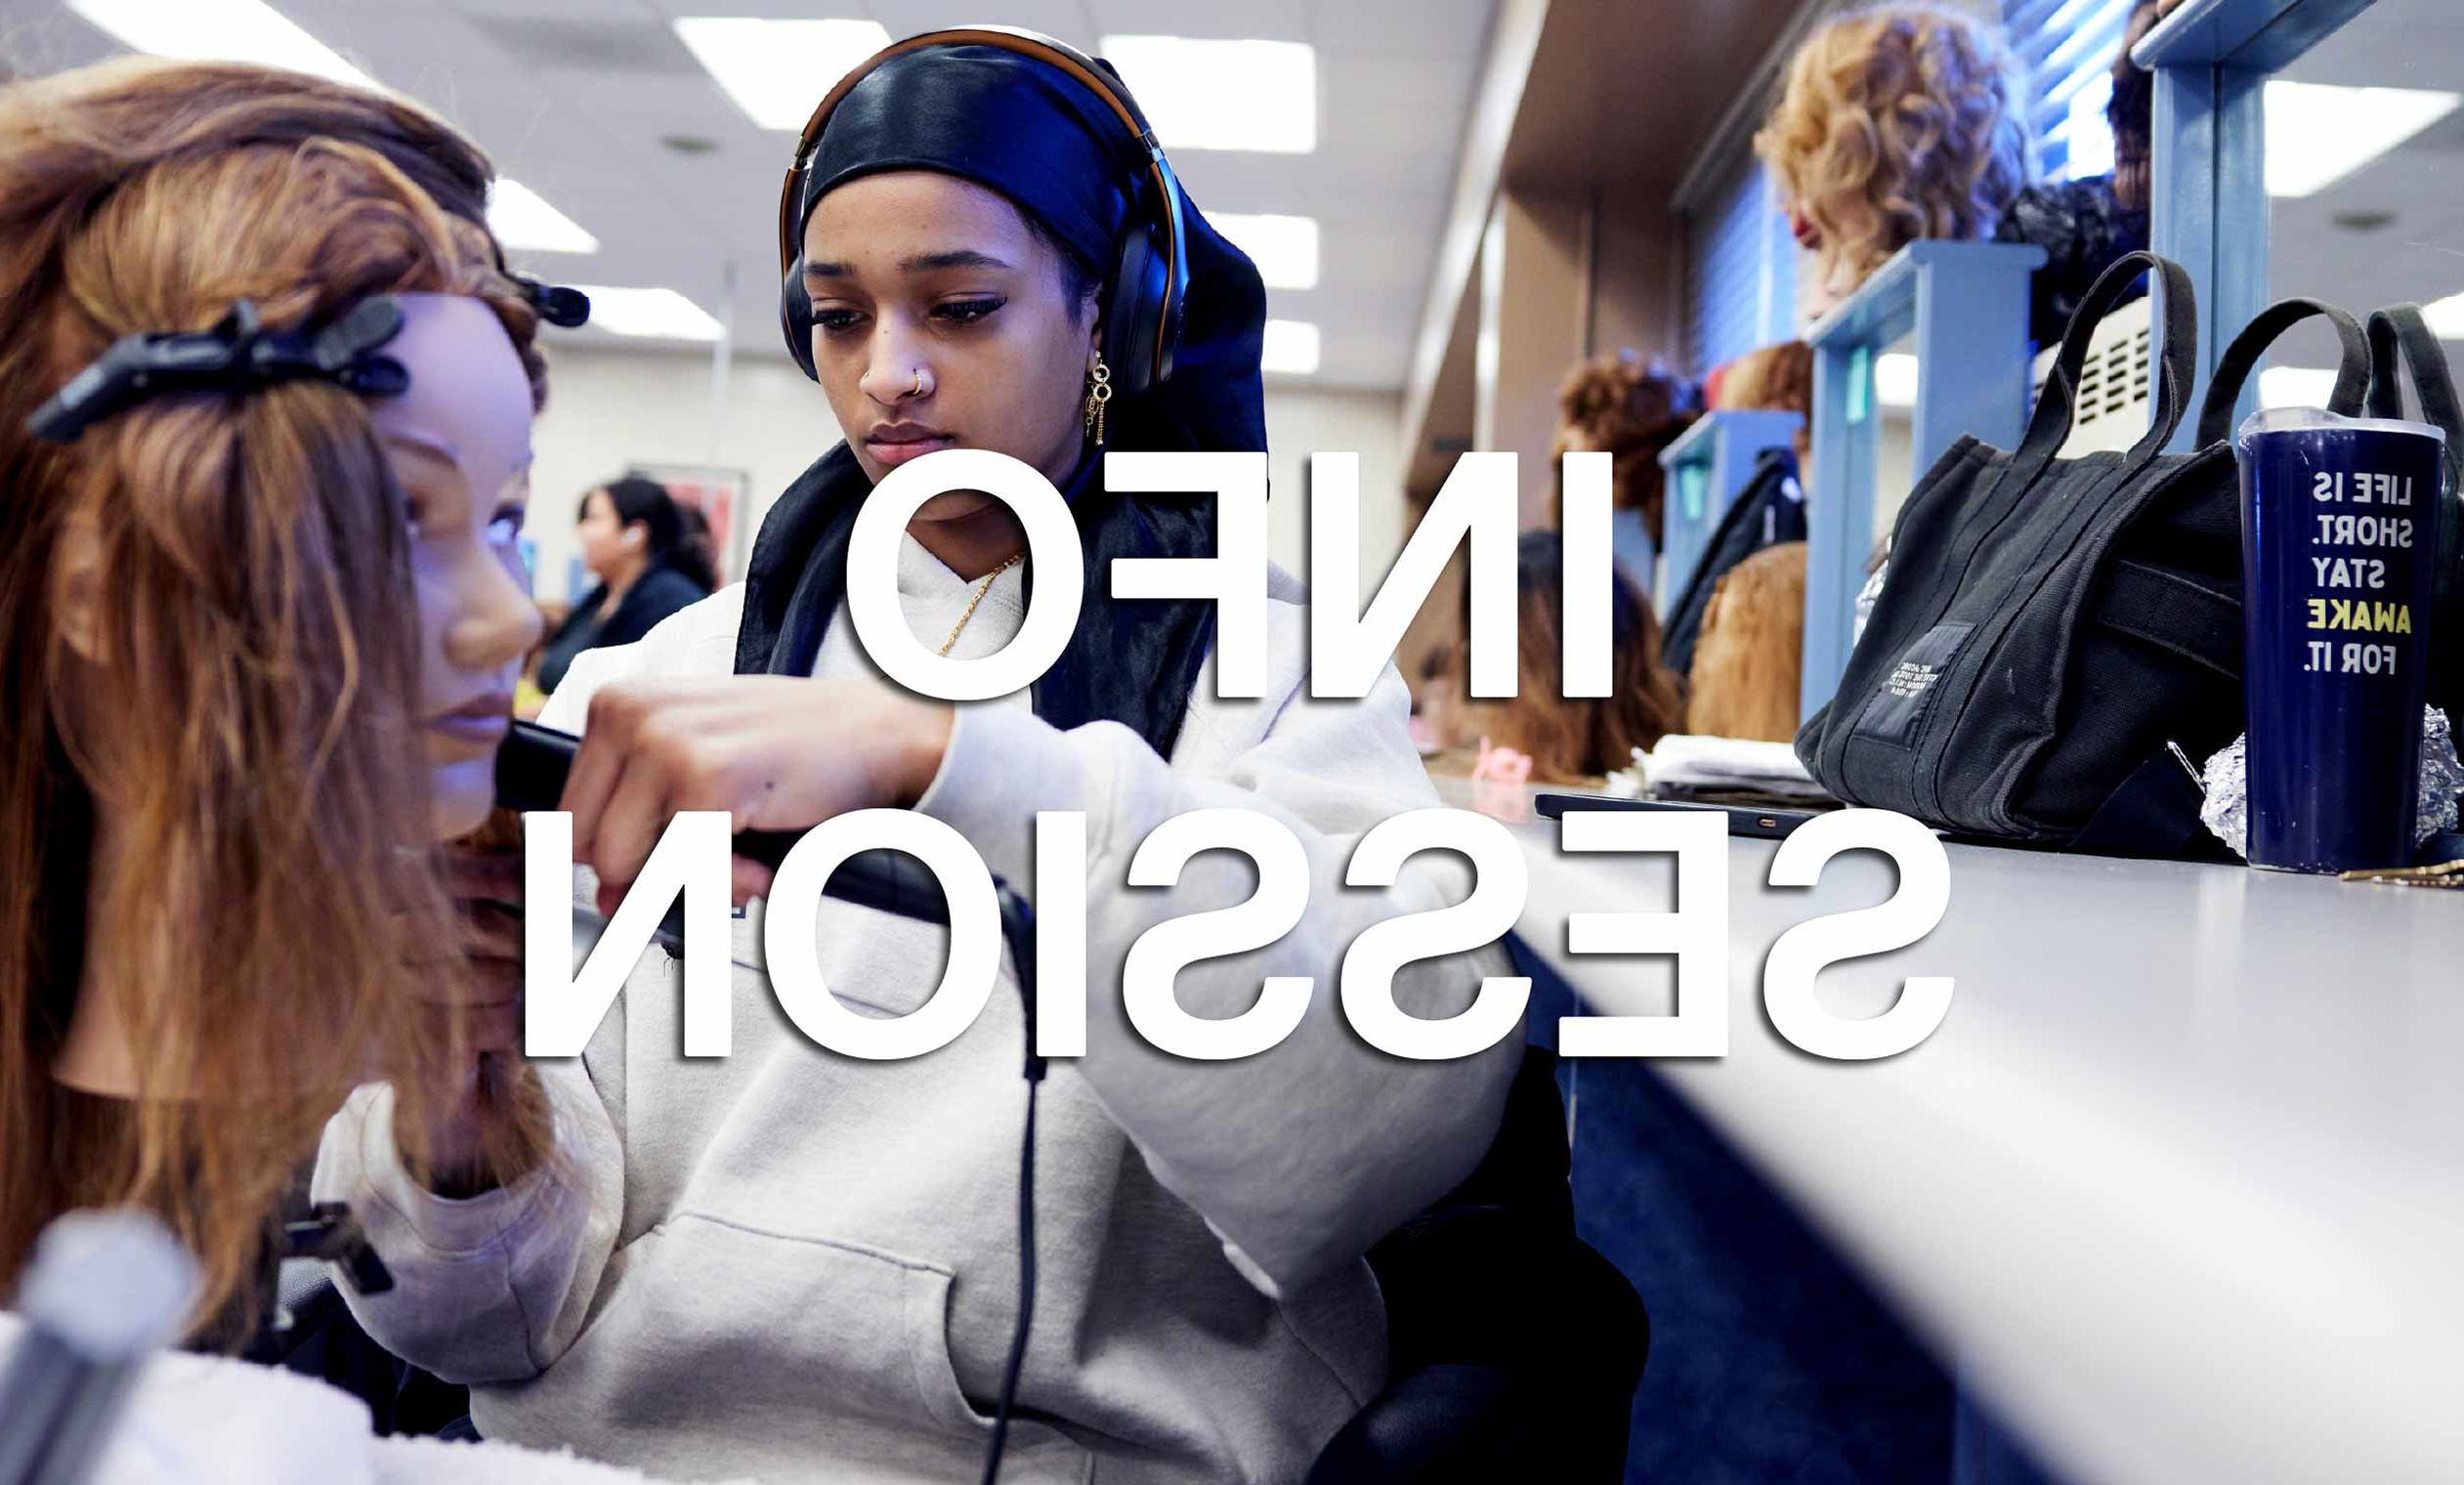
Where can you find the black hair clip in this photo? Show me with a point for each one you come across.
(238, 354)
(565, 307)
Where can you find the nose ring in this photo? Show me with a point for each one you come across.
(917, 390)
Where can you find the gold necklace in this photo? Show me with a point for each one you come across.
(982, 588)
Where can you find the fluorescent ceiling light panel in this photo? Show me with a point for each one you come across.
(2445, 317)
(1896, 379)
(2318, 133)
(777, 70)
(522, 221)
(1291, 347)
(2295, 387)
(1284, 248)
(1223, 95)
(652, 314)
(219, 31)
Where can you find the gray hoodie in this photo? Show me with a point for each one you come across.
(795, 1265)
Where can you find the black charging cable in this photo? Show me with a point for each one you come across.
(1018, 931)
(532, 767)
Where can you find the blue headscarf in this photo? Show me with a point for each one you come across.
(1021, 127)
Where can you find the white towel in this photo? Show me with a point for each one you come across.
(1707, 762)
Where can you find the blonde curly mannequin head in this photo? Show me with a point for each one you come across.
(1899, 122)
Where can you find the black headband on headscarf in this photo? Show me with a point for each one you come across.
(1028, 130)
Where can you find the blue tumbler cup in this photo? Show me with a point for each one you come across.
(2339, 530)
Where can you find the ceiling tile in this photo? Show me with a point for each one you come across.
(1267, 20)
(1063, 19)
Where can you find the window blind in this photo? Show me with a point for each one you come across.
(2065, 49)
(1741, 289)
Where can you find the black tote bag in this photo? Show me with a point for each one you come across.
(2050, 625)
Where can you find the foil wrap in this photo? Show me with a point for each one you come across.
(2226, 810)
(1868, 596)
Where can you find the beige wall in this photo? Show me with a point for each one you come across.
(1535, 313)
(1638, 280)
(1561, 278)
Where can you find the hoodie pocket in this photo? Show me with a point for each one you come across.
(741, 1348)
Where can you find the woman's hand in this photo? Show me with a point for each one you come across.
(775, 752)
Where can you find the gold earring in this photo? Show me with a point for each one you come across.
(1098, 393)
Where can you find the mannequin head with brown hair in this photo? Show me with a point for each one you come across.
(249, 636)
(1629, 409)
(1776, 378)
(1568, 737)
(1897, 123)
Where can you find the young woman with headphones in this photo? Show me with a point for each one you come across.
(790, 1263)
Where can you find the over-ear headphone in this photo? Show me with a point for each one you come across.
(1142, 299)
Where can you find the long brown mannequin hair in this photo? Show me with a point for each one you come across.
(1568, 737)
(241, 710)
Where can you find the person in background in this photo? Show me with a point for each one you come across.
(697, 553)
(2084, 224)
(2131, 115)
(633, 540)
(1897, 123)
(1568, 739)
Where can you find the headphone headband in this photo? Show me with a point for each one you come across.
(1076, 64)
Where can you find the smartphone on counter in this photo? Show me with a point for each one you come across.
(1767, 825)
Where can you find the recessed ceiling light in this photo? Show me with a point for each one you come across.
(522, 221)
(777, 70)
(2318, 133)
(1284, 248)
(1291, 347)
(2295, 387)
(654, 314)
(1896, 379)
(2445, 317)
(219, 31)
(1223, 95)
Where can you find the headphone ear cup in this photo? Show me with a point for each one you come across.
(796, 320)
(1135, 309)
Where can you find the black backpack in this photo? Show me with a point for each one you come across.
(1769, 510)
(2051, 626)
